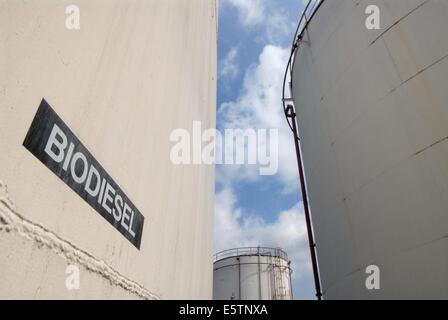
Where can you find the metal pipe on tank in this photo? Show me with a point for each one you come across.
(292, 115)
(259, 274)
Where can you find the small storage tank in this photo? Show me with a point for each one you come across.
(252, 274)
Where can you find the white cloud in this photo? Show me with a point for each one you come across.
(259, 106)
(251, 12)
(279, 26)
(274, 18)
(235, 228)
(228, 67)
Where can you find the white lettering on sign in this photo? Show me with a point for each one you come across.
(51, 141)
(84, 173)
(60, 145)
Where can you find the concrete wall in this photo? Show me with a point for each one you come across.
(373, 116)
(135, 71)
(252, 278)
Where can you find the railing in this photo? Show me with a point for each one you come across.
(307, 14)
(251, 251)
(291, 117)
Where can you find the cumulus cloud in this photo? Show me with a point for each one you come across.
(259, 106)
(228, 67)
(235, 228)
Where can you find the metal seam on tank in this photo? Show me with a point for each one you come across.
(337, 26)
(410, 156)
(13, 221)
(394, 63)
(366, 49)
(424, 69)
(385, 258)
(398, 21)
(431, 146)
(341, 279)
(337, 136)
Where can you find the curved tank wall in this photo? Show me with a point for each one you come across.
(252, 274)
(134, 72)
(372, 111)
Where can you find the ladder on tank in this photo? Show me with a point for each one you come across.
(278, 278)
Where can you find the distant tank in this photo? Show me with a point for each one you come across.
(372, 110)
(252, 274)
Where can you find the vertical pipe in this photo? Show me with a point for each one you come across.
(239, 278)
(274, 291)
(259, 275)
(271, 278)
(290, 113)
(291, 293)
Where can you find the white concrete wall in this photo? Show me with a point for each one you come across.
(373, 116)
(135, 71)
(251, 278)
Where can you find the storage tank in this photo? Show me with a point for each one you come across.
(252, 274)
(91, 206)
(372, 109)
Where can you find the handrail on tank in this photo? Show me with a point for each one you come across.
(248, 251)
(291, 117)
(307, 14)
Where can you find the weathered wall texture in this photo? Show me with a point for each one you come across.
(373, 116)
(135, 71)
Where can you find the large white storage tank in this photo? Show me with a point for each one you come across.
(252, 274)
(372, 109)
(131, 74)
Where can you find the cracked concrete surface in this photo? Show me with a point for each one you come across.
(14, 223)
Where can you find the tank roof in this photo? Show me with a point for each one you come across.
(251, 251)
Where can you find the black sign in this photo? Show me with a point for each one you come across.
(53, 143)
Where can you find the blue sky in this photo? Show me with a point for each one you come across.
(252, 210)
